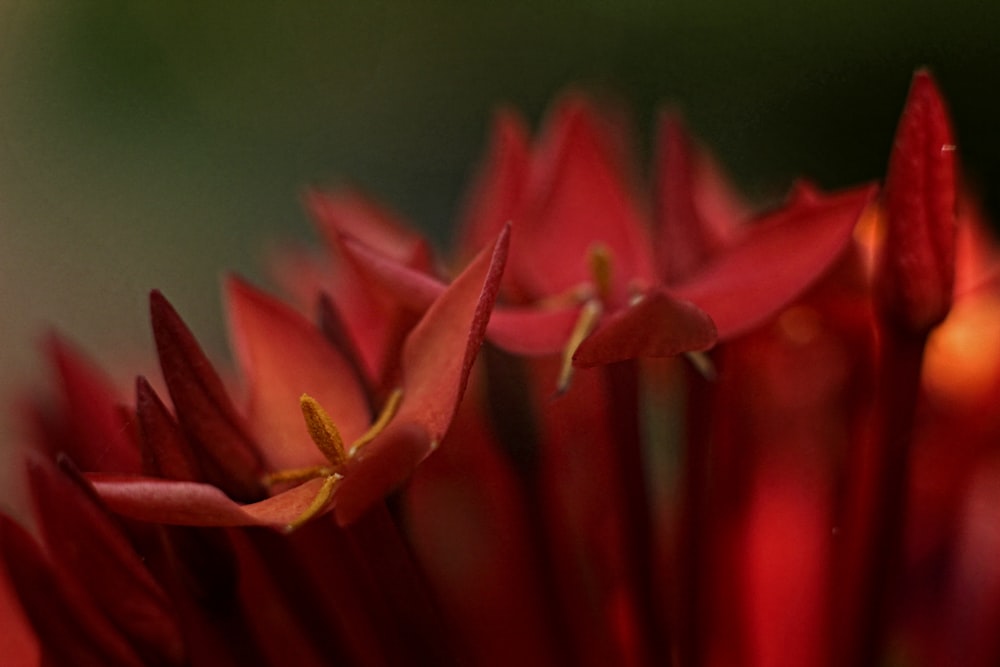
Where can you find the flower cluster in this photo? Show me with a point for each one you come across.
(630, 421)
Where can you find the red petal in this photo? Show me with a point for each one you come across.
(194, 504)
(499, 187)
(105, 564)
(349, 212)
(408, 286)
(440, 350)
(379, 467)
(204, 410)
(532, 331)
(18, 643)
(698, 213)
(579, 199)
(283, 356)
(71, 630)
(779, 258)
(917, 269)
(437, 358)
(165, 450)
(96, 437)
(658, 326)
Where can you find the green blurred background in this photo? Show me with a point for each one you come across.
(156, 144)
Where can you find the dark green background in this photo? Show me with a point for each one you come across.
(155, 144)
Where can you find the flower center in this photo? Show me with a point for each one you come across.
(326, 436)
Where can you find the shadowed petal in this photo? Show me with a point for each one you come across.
(497, 192)
(96, 438)
(439, 352)
(578, 201)
(657, 326)
(778, 259)
(105, 564)
(282, 356)
(204, 410)
(195, 504)
(70, 629)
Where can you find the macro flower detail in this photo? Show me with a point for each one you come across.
(615, 285)
(771, 442)
(282, 356)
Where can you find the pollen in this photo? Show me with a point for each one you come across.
(326, 436)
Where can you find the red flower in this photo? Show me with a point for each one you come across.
(283, 357)
(828, 496)
(590, 277)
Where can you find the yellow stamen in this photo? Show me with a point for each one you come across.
(297, 475)
(703, 364)
(328, 440)
(319, 503)
(384, 417)
(599, 259)
(323, 431)
(584, 325)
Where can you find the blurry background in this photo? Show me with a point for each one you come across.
(156, 144)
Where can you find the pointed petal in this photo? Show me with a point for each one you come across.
(165, 450)
(203, 407)
(105, 564)
(657, 326)
(439, 352)
(96, 438)
(697, 214)
(579, 199)
(379, 467)
(283, 356)
(71, 630)
(347, 211)
(532, 331)
(778, 259)
(497, 192)
(194, 504)
(917, 271)
(408, 286)
(437, 359)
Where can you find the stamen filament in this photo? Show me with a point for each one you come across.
(297, 475)
(384, 417)
(319, 503)
(585, 323)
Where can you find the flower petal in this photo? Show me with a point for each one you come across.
(96, 437)
(283, 356)
(437, 359)
(532, 331)
(657, 326)
(408, 286)
(439, 352)
(579, 200)
(497, 192)
(195, 504)
(697, 212)
(203, 407)
(105, 564)
(70, 629)
(778, 259)
(917, 270)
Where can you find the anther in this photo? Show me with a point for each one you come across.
(323, 431)
(600, 264)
